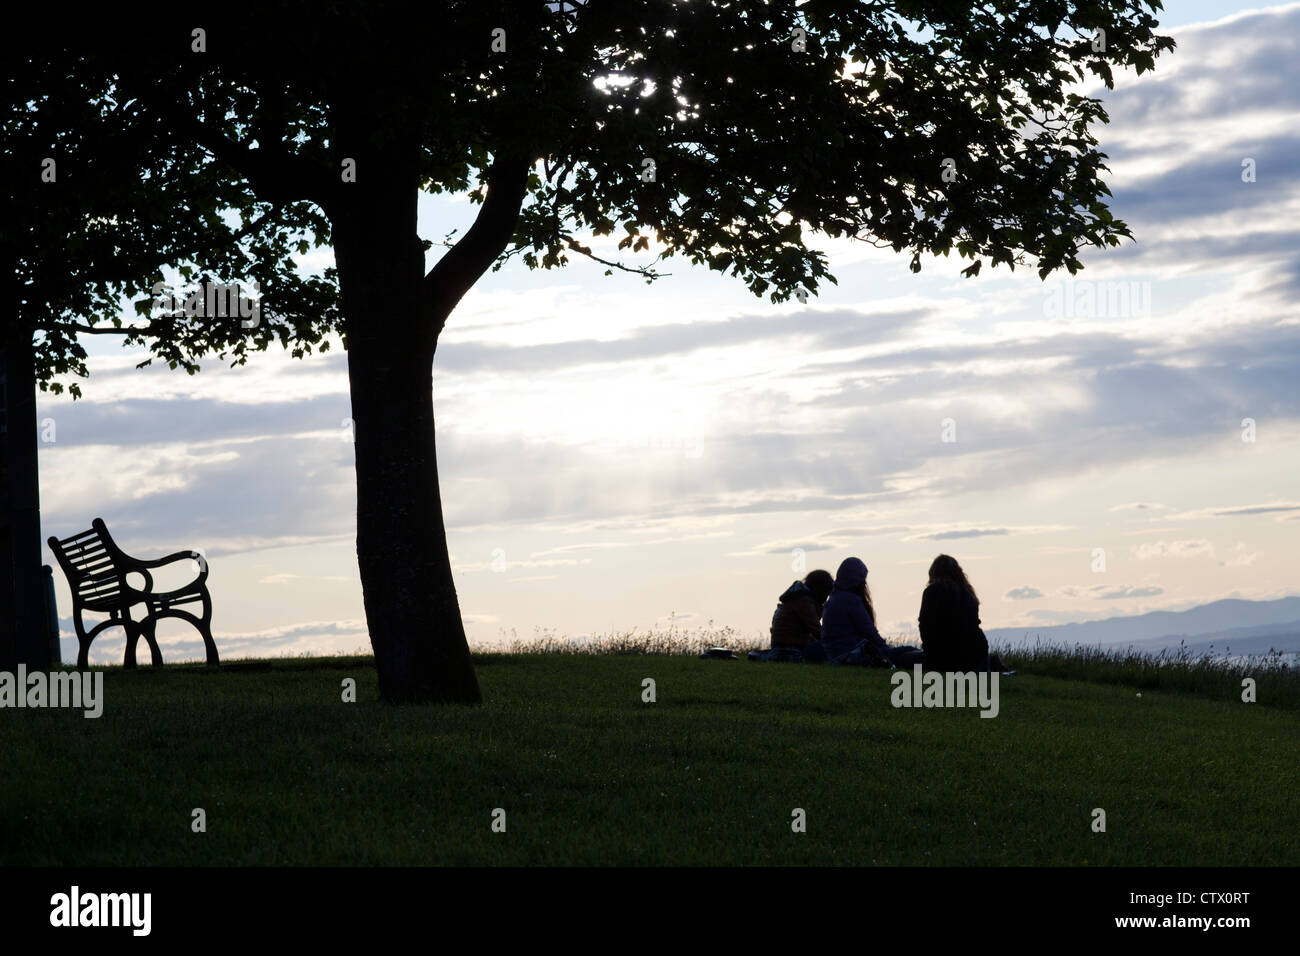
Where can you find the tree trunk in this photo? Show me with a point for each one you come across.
(393, 314)
(24, 636)
(410, 597)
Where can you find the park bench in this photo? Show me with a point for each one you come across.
(97, 571)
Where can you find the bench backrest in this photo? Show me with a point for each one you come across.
(90, 560)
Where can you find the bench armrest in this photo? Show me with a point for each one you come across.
(191, 555)
(137, 566)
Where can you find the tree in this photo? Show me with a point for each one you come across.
(722, 131)
(75, 229)
(66, 168)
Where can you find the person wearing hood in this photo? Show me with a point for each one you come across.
(849, 619)
(798, 618)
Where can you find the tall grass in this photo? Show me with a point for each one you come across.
(1277, 681)
(673, 640)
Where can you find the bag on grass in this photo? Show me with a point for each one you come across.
(785, 655)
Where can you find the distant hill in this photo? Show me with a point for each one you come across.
(1240, 624)
(1247, 640)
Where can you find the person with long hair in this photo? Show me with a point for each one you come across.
(849, 620)
(950, 621)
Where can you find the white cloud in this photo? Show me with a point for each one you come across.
(1187, 548)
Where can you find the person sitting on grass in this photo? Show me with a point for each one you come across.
(950, 622)
(849, 625)
(798, 618)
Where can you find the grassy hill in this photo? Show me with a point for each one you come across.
(589, 774)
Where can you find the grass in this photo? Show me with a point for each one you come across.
(1277, 681)
(589, 774)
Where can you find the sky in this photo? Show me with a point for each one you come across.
(620, 457)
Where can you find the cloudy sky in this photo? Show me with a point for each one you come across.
(618, 457)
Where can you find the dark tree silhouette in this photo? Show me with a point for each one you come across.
(724, 131)
(94, 196)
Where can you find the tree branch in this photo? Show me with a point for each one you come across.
(453, 275)
(645, 271)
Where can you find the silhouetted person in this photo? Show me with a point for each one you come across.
(798, 618)
(849, 619)
(950, 621)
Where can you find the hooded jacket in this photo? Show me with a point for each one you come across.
(798, 618)
(845, 619)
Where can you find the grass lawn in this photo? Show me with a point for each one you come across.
(589, 774)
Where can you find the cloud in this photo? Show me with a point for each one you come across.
(222, 497)
(1256, 47)
(278, 578)
(1115, 594)
(1239, 558)
(966, 533)
(1109, 592)
(318, 637)
(585, 546)
(845, 537)
(1283, 507)
(809, 546)
(818, 328)
(951, 534)
(287, 577)
(501, 567)
(1176, 144)
(1187, 548)
(1022, 594)
(200, 420)
(1051, 616)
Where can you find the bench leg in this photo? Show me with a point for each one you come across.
(205, 629)
(83, 642)
(132, 637)
(149, 628)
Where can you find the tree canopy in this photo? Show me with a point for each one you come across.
(724, 132)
